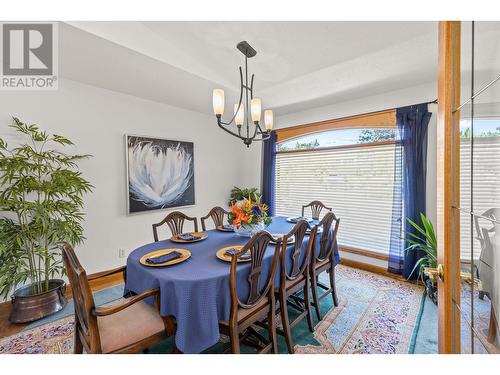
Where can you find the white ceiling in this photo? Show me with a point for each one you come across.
(299, 65)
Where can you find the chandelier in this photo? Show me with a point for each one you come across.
(244, 130)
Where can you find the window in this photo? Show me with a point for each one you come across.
(351, 170)
(486, 167)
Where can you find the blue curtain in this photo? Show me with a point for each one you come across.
(268, 171)
(410, 183)
(396, 260)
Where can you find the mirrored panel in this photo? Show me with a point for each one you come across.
(480, 187)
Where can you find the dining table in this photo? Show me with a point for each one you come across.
(196, 292)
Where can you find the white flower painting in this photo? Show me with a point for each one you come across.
(160, 173)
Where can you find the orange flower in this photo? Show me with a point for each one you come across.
(235, 210)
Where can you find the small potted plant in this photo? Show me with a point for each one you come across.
(41, 197)
(425, 243)
(249, 215)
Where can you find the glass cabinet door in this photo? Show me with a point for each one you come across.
(478, 300)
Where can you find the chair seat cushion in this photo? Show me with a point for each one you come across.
(295, 284)
(131, 325)
(322, 265)
(262, 307)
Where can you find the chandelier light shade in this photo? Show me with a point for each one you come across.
(255, 109)
(218, 102)
(244, 129)
(268, 120)
(239, 114)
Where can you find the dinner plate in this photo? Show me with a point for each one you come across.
(228, 258)
(291, 219)
(291, 240)
(201, 236)
(224, 229)
(185, 254)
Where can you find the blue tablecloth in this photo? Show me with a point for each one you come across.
(196, 292)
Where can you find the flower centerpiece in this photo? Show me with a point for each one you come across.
(249, 215)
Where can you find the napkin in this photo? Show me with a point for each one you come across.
(297, 219)
(233, 251)
(228, 227)
(164, 258)
(187, 237)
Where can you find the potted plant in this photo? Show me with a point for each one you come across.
(248, 216)
(425, 243)
(41, 197)
(238, 194)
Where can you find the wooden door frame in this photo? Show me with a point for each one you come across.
(448, 185)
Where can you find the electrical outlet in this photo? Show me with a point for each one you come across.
(121, 253)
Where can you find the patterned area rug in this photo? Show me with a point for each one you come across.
(376, 314)
(50, 338)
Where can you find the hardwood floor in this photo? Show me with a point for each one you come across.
(7, 328)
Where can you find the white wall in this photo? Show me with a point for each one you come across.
(412, 95)
(96, 120)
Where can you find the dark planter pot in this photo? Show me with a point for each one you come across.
(27, 305)
(432, 291)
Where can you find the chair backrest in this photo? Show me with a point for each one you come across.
(85, 321)
(299, 257)
(257, 247)
(217, 215)
(328, 238)
(175, 221)
(316, 208)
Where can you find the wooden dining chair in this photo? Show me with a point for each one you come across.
(294, 277)
(316, 208)
(324, 260)
(175, 221)
(259, 305)
(217, 215)
(128, 325)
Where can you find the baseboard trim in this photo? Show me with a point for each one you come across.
(365, 253)
(370, 268)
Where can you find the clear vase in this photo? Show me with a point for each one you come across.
(248, 230)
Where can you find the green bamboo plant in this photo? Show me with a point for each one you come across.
(425, 242)
(41, 197)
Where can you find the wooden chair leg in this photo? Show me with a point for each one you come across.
(77, 344)
(271, 317)
(234, 337)
(333, 287)
(285, 322)
(492, 329)
(314, 287)
(307, 299)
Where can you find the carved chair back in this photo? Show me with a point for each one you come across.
(298, 256)
(257, 247)
(316, 208)
(85, 321)
(328, 239)
(483, 233)
(217, 215)
(175, 221)
(486, 231)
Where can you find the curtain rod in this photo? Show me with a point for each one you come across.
(435, 101)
